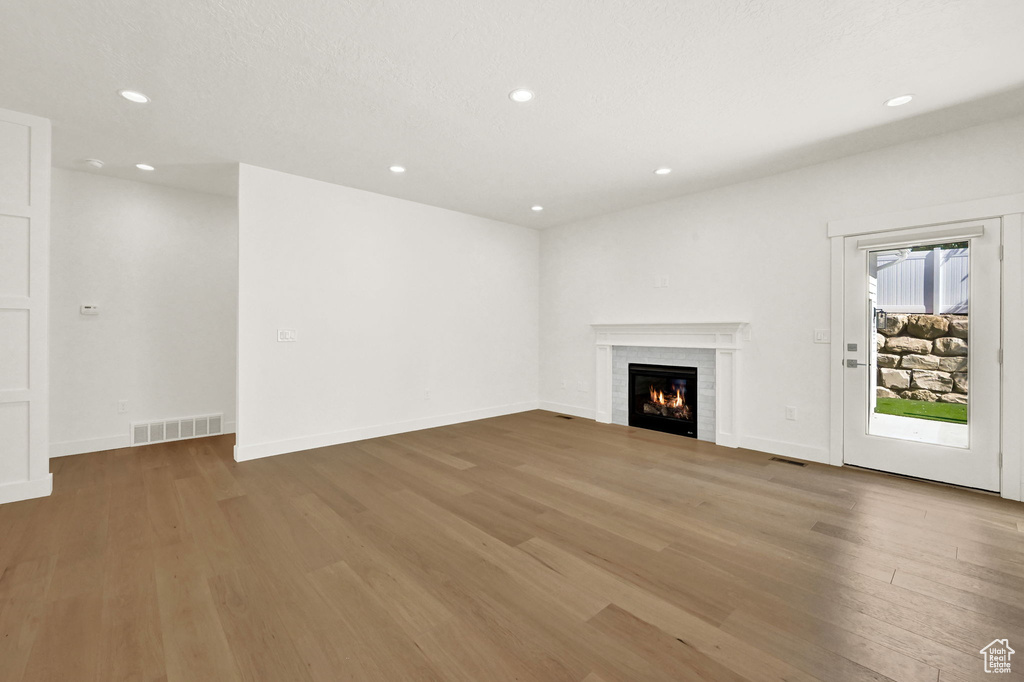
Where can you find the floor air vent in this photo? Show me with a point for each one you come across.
(177, 429)
(788, 461)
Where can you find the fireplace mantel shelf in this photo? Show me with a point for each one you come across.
(726, 338)
(674, 335)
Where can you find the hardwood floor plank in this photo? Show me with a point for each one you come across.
(386, 649)
(524, 547)
(132, 643)
(205, 524)
(408, 602)
(507, 520)
(262, 646)
(970, 600)
(536, 579)
(667, 653)
(460, 654)
(650, 570)
(425, 450)
(68, 644)
(816, 660)
(415, 469)
(194, 643)
(793, 597)
(216, 468)
(22, 614)
(164, 508)
(575, 505)
(879, 610)
(705, 638)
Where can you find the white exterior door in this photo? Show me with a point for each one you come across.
(921, 378)
(24, 290)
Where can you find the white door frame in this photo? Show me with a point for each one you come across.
(1008, 208)
(34, 460)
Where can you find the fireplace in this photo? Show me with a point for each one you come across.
(663, 398)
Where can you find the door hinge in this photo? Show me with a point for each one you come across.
(1000, 253)
(1000, 354)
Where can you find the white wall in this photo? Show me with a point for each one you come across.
(390, 299)
(754, 252)
(161, 263)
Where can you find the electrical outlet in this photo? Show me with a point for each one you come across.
(122, 406)
(822, 336)
(426, 394)
(790, 413)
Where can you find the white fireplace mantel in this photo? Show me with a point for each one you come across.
(726, 338)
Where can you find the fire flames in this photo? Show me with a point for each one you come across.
(658, 398)
(671, 404)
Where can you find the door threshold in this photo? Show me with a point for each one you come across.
(924, 480)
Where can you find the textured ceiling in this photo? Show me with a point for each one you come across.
(720, 90)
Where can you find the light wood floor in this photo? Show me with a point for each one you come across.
(526, 547)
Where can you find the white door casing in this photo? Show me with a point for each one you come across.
(959, 454)
(24, 297)
(1010, 209)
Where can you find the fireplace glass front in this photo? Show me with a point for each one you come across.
(663, 398)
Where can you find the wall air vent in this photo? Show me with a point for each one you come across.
(166, 430)
(140, 434)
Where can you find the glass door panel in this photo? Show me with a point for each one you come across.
(918, 342)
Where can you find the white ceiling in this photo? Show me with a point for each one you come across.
(720, 90)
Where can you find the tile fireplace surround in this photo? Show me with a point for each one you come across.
(725, 338)
(701, 359)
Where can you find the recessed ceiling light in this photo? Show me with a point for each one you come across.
(520, 95)
(93, 163)
(145, 167)
(898, 101)
(537, 208)
(133, 96)
(663, 171)
(397, 169)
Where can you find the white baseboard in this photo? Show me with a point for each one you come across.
(81, 447)
(783, 449)
(26, 490)
(575, 411)
(244, 453)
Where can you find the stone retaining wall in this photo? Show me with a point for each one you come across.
(923, 357)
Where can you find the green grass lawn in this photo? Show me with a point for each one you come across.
(922, 409)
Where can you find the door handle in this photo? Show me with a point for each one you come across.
(853, 364)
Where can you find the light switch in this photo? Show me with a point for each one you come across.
(286, 336)
(89, 309)
(822, 336)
